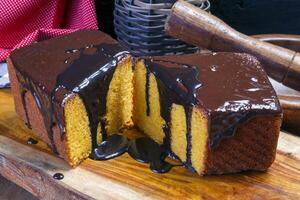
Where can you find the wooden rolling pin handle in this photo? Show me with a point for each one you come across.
(195, 26)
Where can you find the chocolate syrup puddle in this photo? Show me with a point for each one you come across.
(147, 151)
(115, 145)
(32, 141)
(142, 149)
(58, 176)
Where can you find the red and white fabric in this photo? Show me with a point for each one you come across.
(25, 21)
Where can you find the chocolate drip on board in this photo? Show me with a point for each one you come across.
(114, 145)
(58, 176)
(31, 141)
(143, 150)
(146, 150)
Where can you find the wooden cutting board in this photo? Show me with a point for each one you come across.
(32, 167)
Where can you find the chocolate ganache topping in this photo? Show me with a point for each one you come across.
(230, 88)
(198, 80)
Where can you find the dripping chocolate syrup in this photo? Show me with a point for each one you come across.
(27, 122)
(94, 98)
(43, 103)
(99, 70)
(179, 85)
(175, 85)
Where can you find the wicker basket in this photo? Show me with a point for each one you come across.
(139, 26)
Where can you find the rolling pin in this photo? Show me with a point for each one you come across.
(195, 26)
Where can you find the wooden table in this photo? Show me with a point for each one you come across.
(32, 167)
(11, 191)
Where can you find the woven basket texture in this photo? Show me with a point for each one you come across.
(139, 26)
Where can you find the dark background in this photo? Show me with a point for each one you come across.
(247, 16)
(259, 16)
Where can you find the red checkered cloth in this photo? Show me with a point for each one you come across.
(23, 22)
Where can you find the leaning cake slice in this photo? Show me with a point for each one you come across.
(217, 113)
(73, 91)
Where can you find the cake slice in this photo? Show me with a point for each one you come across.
(73, 91)
(217, 113)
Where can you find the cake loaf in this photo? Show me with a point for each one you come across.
(216, 113)
(72, 91)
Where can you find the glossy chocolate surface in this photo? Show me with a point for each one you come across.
(58, 176)
(232, 89)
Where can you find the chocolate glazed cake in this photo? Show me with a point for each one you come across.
(71, 91)
(216, 113)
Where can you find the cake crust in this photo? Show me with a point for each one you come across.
(252, 147)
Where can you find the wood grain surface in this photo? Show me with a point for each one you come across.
(32, 167)
(11, 191)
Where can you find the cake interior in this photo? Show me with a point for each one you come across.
(119, 106)
(153, 124)
(126, 107)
